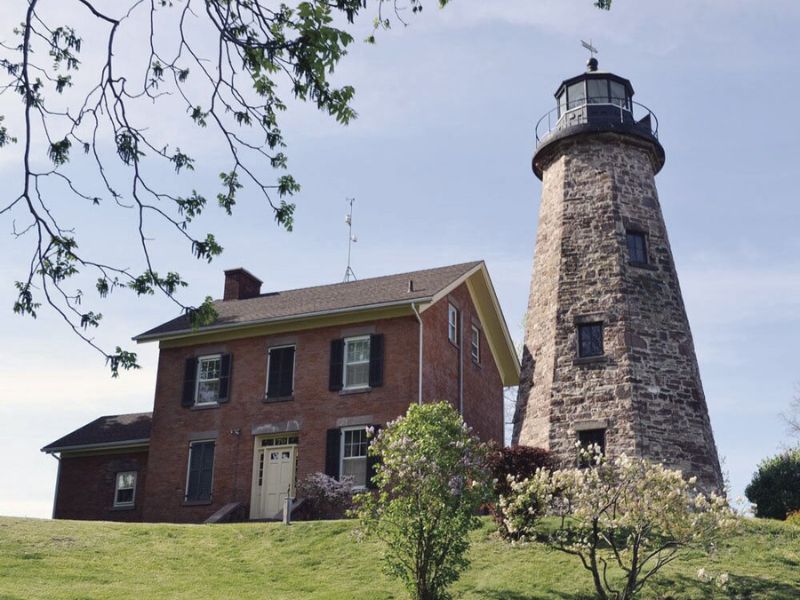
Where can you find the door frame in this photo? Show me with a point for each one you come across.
(255, 490)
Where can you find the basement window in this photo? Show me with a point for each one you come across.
(125, 489)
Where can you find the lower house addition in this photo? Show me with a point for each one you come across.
(285, 385)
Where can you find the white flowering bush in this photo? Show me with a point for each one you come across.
(623, 518)
(431, 480)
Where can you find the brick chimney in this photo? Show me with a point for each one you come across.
(240, 284)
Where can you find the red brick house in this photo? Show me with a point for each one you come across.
(285, 384)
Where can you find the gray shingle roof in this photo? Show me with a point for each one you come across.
(337, 297)
(110, 430)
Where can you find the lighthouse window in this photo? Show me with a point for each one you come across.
(618, 95)
(598, 91)
(591, 440)
(576, 95)
(590, 340)
(637, 247)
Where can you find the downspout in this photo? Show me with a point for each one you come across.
(421, 330)
(58, 482)
(461, 363)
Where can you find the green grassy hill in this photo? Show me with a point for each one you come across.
(71, 560)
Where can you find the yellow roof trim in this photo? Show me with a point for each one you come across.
(494, 325)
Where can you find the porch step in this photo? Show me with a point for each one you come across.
(233, 511)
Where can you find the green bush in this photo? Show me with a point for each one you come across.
(775, 488)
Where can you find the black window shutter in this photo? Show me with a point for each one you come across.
(376, 360)
(189, 378)
(274, 376)
(372, 461)
(332, 452)
(226, 365)
(287, 371)
(337, 365)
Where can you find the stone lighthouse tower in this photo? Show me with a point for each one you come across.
(608, 355)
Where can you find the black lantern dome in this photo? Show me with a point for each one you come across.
(595, 102)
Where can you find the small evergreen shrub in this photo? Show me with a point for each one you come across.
(775, 488)
(324, 497)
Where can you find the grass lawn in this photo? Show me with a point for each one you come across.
(322, 560)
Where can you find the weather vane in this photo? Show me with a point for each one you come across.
(351, 239)
(588, 45)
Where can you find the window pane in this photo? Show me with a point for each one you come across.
(357, 469)
(590, 340)
(357, 351)
(126, 480)
(637, 248)
(618, 94)
(210, 369)
(207, 391)
(598, 90)
(125, 496)
(562, 103)
(576, 95)
(357, 375)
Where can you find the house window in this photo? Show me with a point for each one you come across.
(589, 438)
(452, 323)
(209, 371)
(200, 471)
(125, 489)
(354, 455)
(280, 372)
(637, 247)
(356, 362)
(476, 344)
(590, 340)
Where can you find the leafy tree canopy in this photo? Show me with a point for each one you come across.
(87, 106)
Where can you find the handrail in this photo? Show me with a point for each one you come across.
(547, 125)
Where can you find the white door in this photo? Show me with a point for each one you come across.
(273, 480)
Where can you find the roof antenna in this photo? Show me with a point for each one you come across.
(351, 239)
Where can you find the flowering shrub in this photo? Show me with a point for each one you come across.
(509, 464)
(430, 482)
(325, 497)
(775, 488)
(623, 518)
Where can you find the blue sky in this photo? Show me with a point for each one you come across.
(439, 162)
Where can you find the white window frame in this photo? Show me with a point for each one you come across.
(475, 346)
(347, 341)
(269, 357)
(342, 457)
(452, 323)
(117, 503)
(200, 360)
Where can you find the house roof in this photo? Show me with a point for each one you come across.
(321, 300)
(106, 432)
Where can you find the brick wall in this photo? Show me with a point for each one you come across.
(86, 485)
(313, 407)
(482, 385)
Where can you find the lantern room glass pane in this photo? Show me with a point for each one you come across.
(598, 91)
(562, 103)
(618, 94)
(576, 95)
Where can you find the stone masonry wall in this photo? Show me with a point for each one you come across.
(645, 390)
